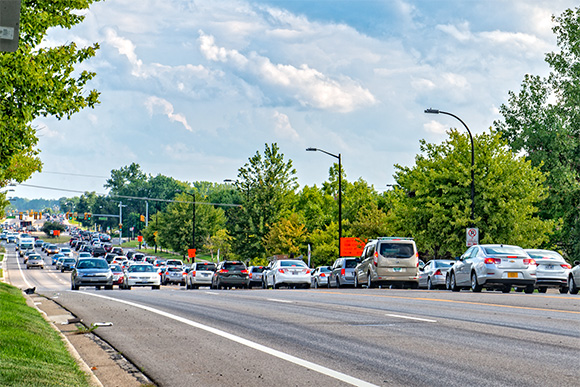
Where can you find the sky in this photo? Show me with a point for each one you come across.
(193, 89)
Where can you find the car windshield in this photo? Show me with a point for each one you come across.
(141, 268)
(396, 250)
(33, 257)
(503, 250)
(115, 268)
(92, 264)
(292, 263)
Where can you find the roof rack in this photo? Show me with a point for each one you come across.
(393, 238)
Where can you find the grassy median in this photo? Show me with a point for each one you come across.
(31, 352)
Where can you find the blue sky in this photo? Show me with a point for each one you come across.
(192, 89)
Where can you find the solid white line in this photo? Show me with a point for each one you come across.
(211, 293)
(277, 300)
(281, 355)
(21, 272)
(411, 318)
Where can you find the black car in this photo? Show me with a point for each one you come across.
(230, 274)
(99, 251)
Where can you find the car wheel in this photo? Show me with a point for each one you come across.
(542, 289)
(453, 283)
(338, 284)
(328, 281)
(529, 289)
(572, 287)
(563, 290)
(369, 281)
(429, 284)
(276, 285)
(518, 289)
(264, 284)
(128, 287)
(62, 270)
(506, 289)
(475, 287)
(74, 287)
(108, 287)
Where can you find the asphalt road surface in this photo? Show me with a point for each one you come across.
(323, 337)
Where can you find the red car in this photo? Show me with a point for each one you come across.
(118, 274)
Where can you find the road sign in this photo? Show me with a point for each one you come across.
(352, 247)
(472, 237)
(9, 25)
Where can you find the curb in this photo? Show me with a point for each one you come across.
(94, 381)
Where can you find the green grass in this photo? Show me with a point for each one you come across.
(31, 351)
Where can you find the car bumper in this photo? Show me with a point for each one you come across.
(143, 282)
(293, 279)
(93, 281)
(233, 281)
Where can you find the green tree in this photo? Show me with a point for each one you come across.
(287, 236)
(433, 203)
(39, 81)
(542, 121)
(266, 184)
(48, 227)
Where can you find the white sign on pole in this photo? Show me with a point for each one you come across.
(472, 237)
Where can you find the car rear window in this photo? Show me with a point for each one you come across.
(234, 266)
(503, 250)
(350, 263)
(443, 264)
(174, 269)
(539, 254)
(258, 269)
(205, 266)
(325, 269)
(292, 263)
(396, 250)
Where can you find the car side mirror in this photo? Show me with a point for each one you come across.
(576, 263)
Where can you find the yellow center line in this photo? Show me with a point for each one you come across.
(463, 302)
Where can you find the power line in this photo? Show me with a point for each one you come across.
(75, 174)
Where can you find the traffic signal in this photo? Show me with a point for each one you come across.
(89, 216)
(39, 215)
(142, 218)
(85, 216)
(120, 226)
(35, 215)
(20, 215)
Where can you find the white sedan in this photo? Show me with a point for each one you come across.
(288, 272)
(141, 275)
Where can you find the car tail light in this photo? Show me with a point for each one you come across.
(566, 266)
(308, 271)
(322, 275)
(530, 262)
(193, 273)
(438, 272)
(244, 271)
(342, 272)
(250, 274)
(282, 271)
(492, 261)
(222, 271)
(376, 258)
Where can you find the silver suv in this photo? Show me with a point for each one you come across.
(493, 267)
(391, 261)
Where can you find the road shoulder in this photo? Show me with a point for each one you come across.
(103, 362)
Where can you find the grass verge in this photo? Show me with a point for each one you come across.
(31, 352)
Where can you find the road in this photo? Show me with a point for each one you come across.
(329, 337)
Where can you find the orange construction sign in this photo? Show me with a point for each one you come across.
(191, 253)
(352, 247)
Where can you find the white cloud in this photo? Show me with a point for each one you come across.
(460, 32)
(308, 86)
(125, 48)
(156, 104)
(283, 128)
(435, 127)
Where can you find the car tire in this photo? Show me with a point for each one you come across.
(506, 289)
(108, 287)
(74, 287)
(328, 282)
(276, 285)
(338, 284)
(529, 289)
(128, 287)
(369, 281)
(475, 287)
(453, 283)
(264, 284)
(572, 287)
(542, 289)
(563, 290)
(429, 284)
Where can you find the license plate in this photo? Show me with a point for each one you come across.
(549, 267)
(512, 275)
(398, 269)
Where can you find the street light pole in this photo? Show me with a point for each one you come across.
(435, 111)
(339, 192)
